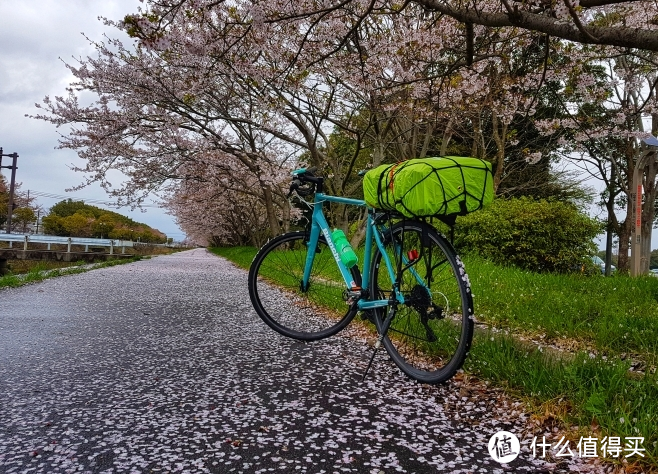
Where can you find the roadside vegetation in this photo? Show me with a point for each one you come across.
(71, 218)
(581, 350)
(40, 271)
(22, 272)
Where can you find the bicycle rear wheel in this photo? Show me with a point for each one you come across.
(430, 334)
(278, 295)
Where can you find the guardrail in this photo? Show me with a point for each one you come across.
(68, 241)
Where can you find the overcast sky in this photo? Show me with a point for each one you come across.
(36, 36)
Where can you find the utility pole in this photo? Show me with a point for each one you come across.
(636, 197)
(13, 168)
(610, 205)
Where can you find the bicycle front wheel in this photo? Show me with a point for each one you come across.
(430, 334)
(306, 312)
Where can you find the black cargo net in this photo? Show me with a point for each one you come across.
(386, 186)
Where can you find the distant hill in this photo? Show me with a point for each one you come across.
(76, 219)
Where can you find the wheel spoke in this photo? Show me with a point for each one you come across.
(429, 349)
(275, 289)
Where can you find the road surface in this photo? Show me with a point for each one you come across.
(163, 366)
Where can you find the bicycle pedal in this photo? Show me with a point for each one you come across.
(351, 296)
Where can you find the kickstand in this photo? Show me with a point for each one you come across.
(380, 339)
(374, 353)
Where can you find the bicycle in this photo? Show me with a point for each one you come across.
(414, 286)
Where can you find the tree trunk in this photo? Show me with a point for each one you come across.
(499, 133)
(426, 141)
(272, 219)
(378, 153)
(623, 264)
(477, 137)
(626, 228)
(612, 224)
(360, 233)
(447, 135)
(285, 210)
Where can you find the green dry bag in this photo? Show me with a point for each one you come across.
(424, 187)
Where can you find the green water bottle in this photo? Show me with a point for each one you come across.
(344, 249)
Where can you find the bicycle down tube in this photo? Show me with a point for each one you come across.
(320, 224)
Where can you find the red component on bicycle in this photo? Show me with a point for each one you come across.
(412, 255)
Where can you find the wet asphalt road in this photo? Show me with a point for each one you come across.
(163, 366)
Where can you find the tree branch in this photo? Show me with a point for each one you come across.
(612, 36)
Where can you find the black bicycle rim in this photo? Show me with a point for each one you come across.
(276, 291)
(431, 333)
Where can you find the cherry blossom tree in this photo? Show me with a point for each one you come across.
(222, 99)
(610, 105)
(221, 207)
(159, 119)
(633, 24)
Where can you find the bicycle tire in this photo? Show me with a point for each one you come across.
(275, 289)
(430, 335)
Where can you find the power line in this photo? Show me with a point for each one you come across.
(86, 201)
(59, 197)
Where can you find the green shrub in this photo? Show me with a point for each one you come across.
(534, 235)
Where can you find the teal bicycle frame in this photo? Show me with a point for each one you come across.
(319, 224)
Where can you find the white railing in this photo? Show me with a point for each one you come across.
(68, 241)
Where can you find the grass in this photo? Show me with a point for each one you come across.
(597, 395)
(608, 325)
(22, 272)
(612, 316)
(18, 267)
(42, 272)
(241, 256)
(611, 327)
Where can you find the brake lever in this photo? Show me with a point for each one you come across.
(293, 187)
